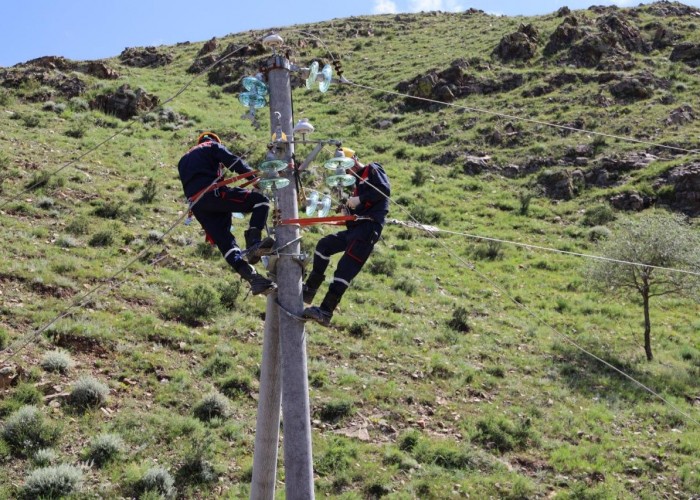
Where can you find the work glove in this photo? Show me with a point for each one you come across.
(353, 202)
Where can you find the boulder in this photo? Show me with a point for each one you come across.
(561, 184)
(686, 52)
(631, 89)
(144, 57)
(101, 70)
(564, 36)
(627, 35)
(518, 46)
(685, 180)
(632, 202)
(125, 103)
(680, 116)
(208, 47)
(474, 165)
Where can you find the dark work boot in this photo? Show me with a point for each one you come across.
(258, 284)
(310, 287)
(255, 247)
(323, 313)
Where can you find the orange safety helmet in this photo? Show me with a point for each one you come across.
(208, 136)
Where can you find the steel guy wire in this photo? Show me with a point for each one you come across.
(23, 342)
(537, 317)
(123, 129)
(556, 250)
(520, 118)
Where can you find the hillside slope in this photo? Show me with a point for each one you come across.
(433, 381)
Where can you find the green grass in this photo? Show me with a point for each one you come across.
(460, 390)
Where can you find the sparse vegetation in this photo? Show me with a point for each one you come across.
(53, 482)
(431, 381)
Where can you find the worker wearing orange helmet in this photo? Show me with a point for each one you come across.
(199, 168)
(370, 203)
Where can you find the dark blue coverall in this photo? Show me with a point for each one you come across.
(357, 240)
(198, 169)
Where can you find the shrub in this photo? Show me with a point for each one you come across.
(598, 233)
(409, 439)
(109, 210)
(101, 239)
(213, 405)
(502, 434)
(44, 457)
(31, 121)
(67, 242)
(196, 304)
(491, 250)
(236, 386)
(228, 294)
(5, 97)
(335, 410)
(104, 448)
(78, 104)
(195, 468)
(460, 320)
(158, 480)
(45, 202)
(26, 432)
(4, 337)
(382, 264)
(359, 329)
(419, 176)
(218, 365)
(88, 392)
(149, 191)
(407, 286)
(57, 361)
(598, 215)
(76, 131)
(78, 226)
(53, 482)
(525, 197)
(425, 215)
(38, 180)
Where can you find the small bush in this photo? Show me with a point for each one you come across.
(109, 210)
(525, 197)
(196, 304)
(25, 431)
(236, 386)
(205, 250)
(460, 320)
(409, 439)
(78, 226)
(53, 482)
(104, 448)
(31, 121)
(503, 435)
(196, 469)
(38, 180)
(157, 480)
(57, 361)
(44, 457)
(101, 239)
(491, 250)
(149, 191)
(419, 176)
(359, 329)
(45, 203)
(213, 405)
(406, 285)
(218, 365)
(79, 104)
(77, 131)
(229, 294)
(4, 338)
(425, 215)
(598, 233)
(382, 264)
(67, 242)
(88, 392)
(598, 216)
(5, 97)
(335, 410)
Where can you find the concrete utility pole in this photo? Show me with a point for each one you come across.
(292, 343)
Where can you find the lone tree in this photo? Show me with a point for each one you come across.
(658, 239)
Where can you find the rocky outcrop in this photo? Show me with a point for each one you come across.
(680, 116)
(682, 188)
(686, 52)
(208, 47)
(665, 8)
(632, 202)
(518, 46)
(101, 70)
(149, 57)
(564, 36)
(631, 89)
(455, 82)
(561, 184)
(125, 103)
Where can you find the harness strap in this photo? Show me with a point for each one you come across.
(225, 182)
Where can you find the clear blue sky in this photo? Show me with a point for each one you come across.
(81, 29)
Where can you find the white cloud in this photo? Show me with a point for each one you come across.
(384, 7)
(430, 5)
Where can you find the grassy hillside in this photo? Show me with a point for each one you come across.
(433, 381)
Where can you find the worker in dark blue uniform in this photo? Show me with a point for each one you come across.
(201, 167)
(370, 202)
